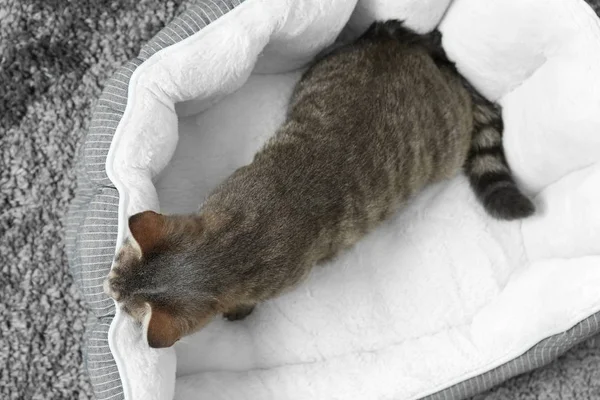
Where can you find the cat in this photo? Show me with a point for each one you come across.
(368, 127)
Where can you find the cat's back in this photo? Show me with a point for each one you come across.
(377, 82)
(368, 126)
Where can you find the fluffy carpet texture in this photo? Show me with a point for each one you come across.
(55, 56)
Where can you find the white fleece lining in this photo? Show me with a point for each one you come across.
(510, 355)
(514, 269)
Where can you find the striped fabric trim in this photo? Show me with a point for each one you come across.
(92, 225)
(92, 220)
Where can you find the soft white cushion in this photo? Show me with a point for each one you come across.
(438, 294)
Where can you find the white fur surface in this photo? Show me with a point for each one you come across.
(420, 15)
(441, 292)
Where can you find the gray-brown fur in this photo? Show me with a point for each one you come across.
(486, 166)
(368, 127)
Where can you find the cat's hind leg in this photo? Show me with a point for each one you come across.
(239, 312)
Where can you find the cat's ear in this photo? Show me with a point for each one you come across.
(161, 328)
(147, 228)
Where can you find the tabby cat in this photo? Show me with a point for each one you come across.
(368, 127)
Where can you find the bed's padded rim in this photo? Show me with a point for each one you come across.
(92, 220)
(538, 356)
(93, 215)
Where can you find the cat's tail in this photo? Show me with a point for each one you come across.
(486, 166)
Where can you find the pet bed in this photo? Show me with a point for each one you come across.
(442, 301)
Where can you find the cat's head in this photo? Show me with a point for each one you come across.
(161, 278)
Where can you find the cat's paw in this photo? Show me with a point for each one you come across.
(119, 279)
(238, 313)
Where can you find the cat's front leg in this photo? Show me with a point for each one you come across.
(239, 312)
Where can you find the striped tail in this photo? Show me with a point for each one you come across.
(486, 166)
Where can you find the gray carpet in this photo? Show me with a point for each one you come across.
(55, 55)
